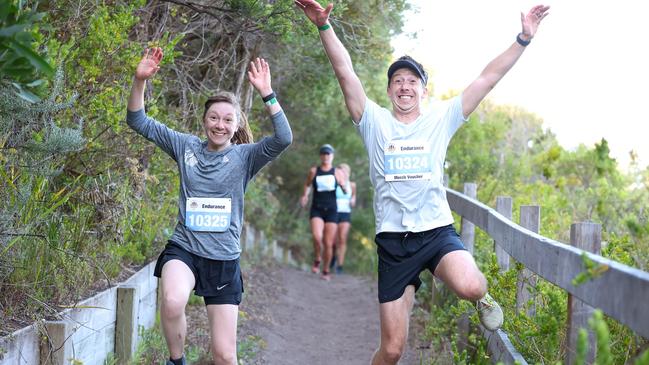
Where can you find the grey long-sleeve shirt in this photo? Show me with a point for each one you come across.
(206, 174)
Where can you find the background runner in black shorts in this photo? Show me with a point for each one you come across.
(323, 216)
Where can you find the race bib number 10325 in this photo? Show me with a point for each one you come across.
(208, 214)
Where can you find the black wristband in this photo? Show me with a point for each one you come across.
(522, 42)
(268, 97)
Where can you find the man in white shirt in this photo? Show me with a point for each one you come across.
(406, 148)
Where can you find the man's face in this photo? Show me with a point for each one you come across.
(405, 90)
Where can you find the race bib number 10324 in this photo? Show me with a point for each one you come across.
(407, 161)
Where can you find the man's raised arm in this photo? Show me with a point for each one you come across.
(497, 68)
(338, 56)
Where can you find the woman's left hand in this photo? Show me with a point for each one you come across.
(259, 76)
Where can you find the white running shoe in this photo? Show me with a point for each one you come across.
(489, 312)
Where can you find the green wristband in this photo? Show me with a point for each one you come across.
(271, 101)
(324, 27)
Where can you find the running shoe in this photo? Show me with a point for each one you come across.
(326, 276)
(489, 312)
(169, 362)
(316, 267)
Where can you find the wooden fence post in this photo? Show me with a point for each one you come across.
(286, 256)
(56, 348)
(586, 236)
(467, 236)
(250, 239)
(526, 284)
(260, 241)
(504, 207)
(277, 251)
(126, 323)
(256, 242)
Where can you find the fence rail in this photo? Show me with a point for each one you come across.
(108, 323)
(620, 291)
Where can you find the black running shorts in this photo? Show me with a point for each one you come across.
(328, 214)
(404, 255)
(344, 217)
(217, 281)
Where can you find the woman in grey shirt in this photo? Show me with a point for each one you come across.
(203, 251)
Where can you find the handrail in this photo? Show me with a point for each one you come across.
(622, 292)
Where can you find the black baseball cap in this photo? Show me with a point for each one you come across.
(326, 148)
(411, 64)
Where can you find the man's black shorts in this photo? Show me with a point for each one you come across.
(404, 255)
(217, 281)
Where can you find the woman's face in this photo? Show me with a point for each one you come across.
(220, 123)
(326, 158)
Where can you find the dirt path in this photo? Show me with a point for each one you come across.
(313, 322)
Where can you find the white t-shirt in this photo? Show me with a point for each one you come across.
(407, 165)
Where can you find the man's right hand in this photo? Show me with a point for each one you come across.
(148, 65)
(314, 11)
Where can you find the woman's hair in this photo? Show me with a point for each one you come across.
(242, 134)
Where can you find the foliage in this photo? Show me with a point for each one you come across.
(34, 249)
(78, 209)
(36, 141)
(83, 200)
(20, 63)
(505, 151)
(152, 348)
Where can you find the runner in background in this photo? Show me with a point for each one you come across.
(345, 201)
(323, 215)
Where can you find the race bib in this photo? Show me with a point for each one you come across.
(325, 183)
(208, 214)
(407, 161)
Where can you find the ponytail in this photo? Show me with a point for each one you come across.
(243, 134)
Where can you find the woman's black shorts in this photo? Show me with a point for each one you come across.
(404, 255)
(344, 217)
(217, 281)
(328, 214)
